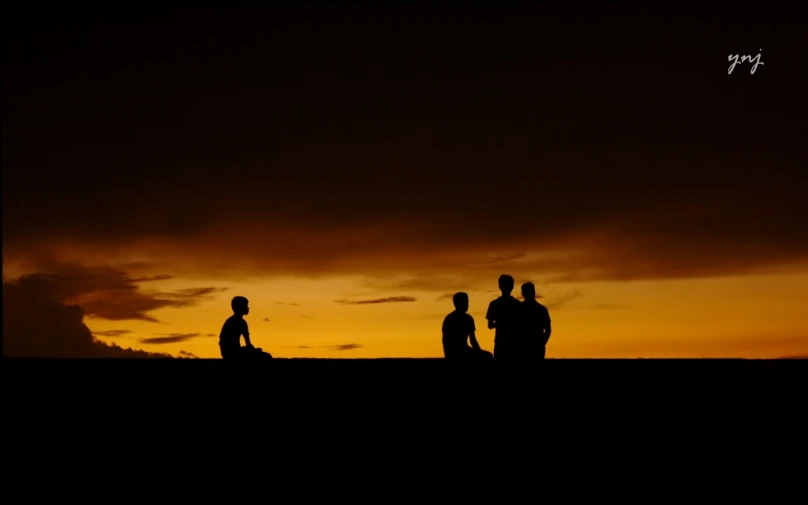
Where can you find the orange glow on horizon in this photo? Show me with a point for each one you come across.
(745, 317)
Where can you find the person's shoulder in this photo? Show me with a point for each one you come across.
(230, 325)
(234, 320)
(456, 319)
(492, 308)
(468, 317)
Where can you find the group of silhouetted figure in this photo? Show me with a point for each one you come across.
(522, 329)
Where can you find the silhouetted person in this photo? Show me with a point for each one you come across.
(234, 328)
(458, 330)
(503, 315)
(535, 323)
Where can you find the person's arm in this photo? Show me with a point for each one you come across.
(246, 333)
(473, 341)
(473, 335)
(490, 316)
(548, 327)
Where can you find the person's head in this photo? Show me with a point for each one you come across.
(528, 291)
(506, 284)
(240, 305)
(461, 301)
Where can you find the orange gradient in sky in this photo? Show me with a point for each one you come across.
(655, 221)
(745, 317)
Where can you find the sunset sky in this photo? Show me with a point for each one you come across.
(349, 168)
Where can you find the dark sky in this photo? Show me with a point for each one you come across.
(332, 134)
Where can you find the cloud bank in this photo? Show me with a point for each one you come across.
(38, 324)
(43, 313)
(339, 347)
(376, 301)
(382, 168)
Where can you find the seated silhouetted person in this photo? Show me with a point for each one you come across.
(504, 316)
(458, 330)
(536, 327)
(234, 328)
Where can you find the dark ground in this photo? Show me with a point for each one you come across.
(385, 403)
(396, 425)
(355, 378)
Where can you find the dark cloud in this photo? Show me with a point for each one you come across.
(112, 333)
(608, 306)
(340, 347)
(346, 347)
(557, 300)
(308, 317)
(170, 338)
(378, 165)
(266, 319)
(210, 334)
(390, 299)
(505, 259)
(187, 355)
(290, 304)
(153, 278)
(38, 324)
(192, 293)
(110, 293)
(447, 283)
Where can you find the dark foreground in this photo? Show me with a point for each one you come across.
(373, 400)
(428, 377)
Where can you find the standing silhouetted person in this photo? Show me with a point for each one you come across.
(503, 315)
(535, 323)
(234, 328)
(458, 330)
